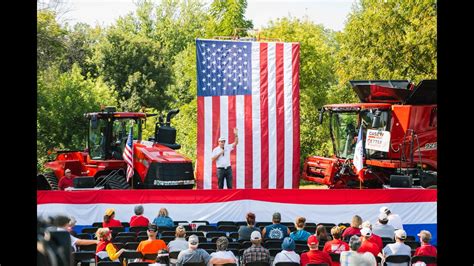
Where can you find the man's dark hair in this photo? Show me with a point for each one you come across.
(61, 221)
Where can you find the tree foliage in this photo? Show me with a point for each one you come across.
(227, 16)
(63, 98)
(50, 40)
(389, 40)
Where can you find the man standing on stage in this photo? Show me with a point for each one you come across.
(221, 154)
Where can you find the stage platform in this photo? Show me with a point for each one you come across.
(416, 207)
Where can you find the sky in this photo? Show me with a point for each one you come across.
(331, 13)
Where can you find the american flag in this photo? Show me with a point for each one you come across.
(128, 155)
(254, 87)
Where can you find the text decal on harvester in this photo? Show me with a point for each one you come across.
(377, 140)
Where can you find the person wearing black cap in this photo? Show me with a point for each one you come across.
(221, 154)
(275, 230)
(151, 245)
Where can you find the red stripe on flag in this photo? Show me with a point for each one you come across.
(280, 117)
(200, 143)
(231, 138)
(296, 114)
(264, 112)
(248, 154)
(216, 129)
(291, 196)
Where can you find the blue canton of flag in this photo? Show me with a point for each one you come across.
(128, 155)
(224, 68)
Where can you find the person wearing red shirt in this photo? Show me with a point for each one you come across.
(336, 245)
(314, 255)
(426, 249)
(373, 238)
(367, 245)
(67, 180)
(354, 229)
(138, 219)
(109, 220)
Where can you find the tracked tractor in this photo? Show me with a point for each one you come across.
(156, 163)
(399, 137)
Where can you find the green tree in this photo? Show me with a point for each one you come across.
(227, 16)
(135, 67)
(388, 40)
(316, 77)
(50, 39)
(79, 45)
(63, 98)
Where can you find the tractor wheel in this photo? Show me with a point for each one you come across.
(51, 180)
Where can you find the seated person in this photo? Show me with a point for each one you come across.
(275, 230)
(288, 253)
(221, 251)
(151, 245)
(109, 220)
(138, 219)
(106, 250)
(314, 255)
(163, 220)
(256, 252)
(179, 243)
(245, 231)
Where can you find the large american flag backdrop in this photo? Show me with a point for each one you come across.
(254, 87)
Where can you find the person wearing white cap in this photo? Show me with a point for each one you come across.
(382, 228)
(221, 154)
(397, 248)
(256, 252)
(368, 245)
(393, 219)
(374, 238)
(67, 181)
(197, 255)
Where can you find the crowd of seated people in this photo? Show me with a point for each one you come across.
(269, 244)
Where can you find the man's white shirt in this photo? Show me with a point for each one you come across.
(223, 160)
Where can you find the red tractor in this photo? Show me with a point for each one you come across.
(399, 129)
(156, 163)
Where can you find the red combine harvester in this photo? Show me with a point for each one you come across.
(156, 163)
(401, 121)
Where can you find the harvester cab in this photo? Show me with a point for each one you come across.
(399, 137)
(156, 164)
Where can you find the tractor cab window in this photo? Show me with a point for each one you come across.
(97, 136)
(120, 131)
(345, 130)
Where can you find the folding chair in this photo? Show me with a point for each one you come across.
(398, 259)
(225, 223)
(425, 259)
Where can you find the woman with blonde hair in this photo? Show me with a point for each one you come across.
(354, 229)
(300, 233)
(109, 220)
(106, 250)
(163, 219)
